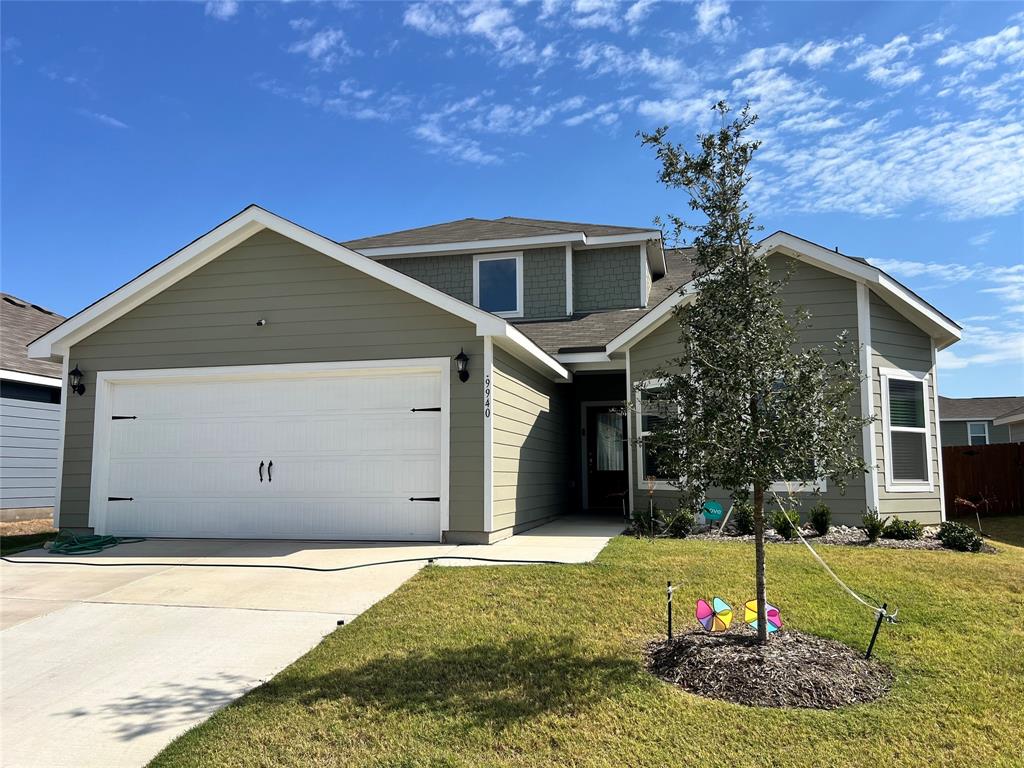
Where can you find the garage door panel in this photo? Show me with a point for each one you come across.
(347, 448)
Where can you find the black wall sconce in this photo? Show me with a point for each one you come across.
(75, 381)
(462, 365)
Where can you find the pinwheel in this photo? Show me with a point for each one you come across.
(715, 617)
(771, 614)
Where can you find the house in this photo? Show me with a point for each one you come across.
(30, 394)
(981, 420)
(462, 381)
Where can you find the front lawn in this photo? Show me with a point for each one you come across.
(542, 666)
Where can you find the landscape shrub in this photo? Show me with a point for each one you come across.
(958, 536)
(902, 530)
(665, 523)
(743, 517)
(785, 521)
(821, 517)
(873, 524)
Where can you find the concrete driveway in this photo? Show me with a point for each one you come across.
(105, 666)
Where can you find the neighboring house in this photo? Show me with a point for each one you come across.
(30, 393)
(462, 381)
(981, 420)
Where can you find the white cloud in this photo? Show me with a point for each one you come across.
(325, 48)
(510, 119)
(813, 55)
(963, 168)
(452, 145)
(605, 58)
(221, 9)
(890, 64)
(984, 345)
(637, 12)
(591, 14)
(102, 118)
(10, 47)
(1005, 46)
(487, 19)
(982, 238)
(714, 21)
(428, 18)
(301, 24)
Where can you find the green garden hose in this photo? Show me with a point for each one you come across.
(68, 543)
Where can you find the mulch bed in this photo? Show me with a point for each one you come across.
(793, 670)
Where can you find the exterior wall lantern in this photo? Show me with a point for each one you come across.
(75, 381)
(462, 365)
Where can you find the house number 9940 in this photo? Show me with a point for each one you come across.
(487, 397)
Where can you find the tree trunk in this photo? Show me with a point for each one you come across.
(762, 590)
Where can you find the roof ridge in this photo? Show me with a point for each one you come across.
(522, 222)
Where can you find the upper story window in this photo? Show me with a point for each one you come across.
(977, 432)
(905, 424)
(498, 283)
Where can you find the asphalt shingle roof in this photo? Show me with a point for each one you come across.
(21, 322)
(466, 230)
(983, 408)
(591, 331)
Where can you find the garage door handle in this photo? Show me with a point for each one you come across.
(261, 471)
(424, 498)
(270, 466)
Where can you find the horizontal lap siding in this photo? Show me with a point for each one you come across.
(543, 278)
(317, 310)
(29, 437)
(832, 303)
(898, 343)
(530, 437)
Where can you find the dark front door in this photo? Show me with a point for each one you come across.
(606, 457)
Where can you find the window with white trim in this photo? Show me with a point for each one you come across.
(905, 423)
(977, 433)
(650, 411)
(498, 283)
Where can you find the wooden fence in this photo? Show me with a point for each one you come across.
(984, 472)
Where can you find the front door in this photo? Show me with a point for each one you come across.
(605, 439)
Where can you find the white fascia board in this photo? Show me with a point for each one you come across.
(473, 245)
(30, 378)
(651, 320)
(582, 357)
(1011, 418)
(515, 341)
(920, 312)
(236, 230)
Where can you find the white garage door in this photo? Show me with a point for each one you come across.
(341, 455)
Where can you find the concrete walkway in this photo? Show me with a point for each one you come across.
(105, 666)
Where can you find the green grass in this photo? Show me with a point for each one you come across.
(542, 666)
(9, 544)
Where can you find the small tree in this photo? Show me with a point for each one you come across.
(745, 404)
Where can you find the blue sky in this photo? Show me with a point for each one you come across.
(894, 131)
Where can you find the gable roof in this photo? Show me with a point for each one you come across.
(938, 326)
(980, 408)
(591, 331)
(241, 227)
(22, 321)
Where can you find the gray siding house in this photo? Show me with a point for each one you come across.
(981, 420)
(30, 395)
(459, 382)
